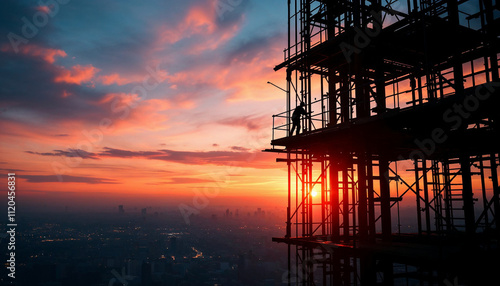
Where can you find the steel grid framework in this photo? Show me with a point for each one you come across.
(403, 102)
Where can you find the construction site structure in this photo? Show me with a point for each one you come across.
(393, 179)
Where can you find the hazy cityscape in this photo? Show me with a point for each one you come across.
(149, 246)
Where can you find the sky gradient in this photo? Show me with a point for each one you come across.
(145, 102)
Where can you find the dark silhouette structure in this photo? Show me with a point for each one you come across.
(404, 155)
(299, 110)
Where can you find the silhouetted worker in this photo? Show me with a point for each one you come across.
(299, 110)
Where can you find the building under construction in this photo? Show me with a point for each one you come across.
(393, 179)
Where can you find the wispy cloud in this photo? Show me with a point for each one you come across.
(67, 179)
(72, 153)
(250, 122)
(237, 156)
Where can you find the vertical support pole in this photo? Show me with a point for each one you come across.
(297, 269)
(362, 198)
(332, 98)
(336, 277)
(353, 201)
(288, 102)
(347, 270)
(492, 43)
(385, 199)
(310, 188)
(417, 189)
(324, 267)
(357, 13)
(492, 38)
(323, 196)
(345, 196)
(420, 94)
(496, 190)
(467, 194)
(289, 265)
(371, 200)
(303, 207)
(334, 197)
(367, 269)
(457, 64)
(483, 191)
(448, 202)
(288, 220)
(344, 98)
(379, 68)
(362, 98)
(288, 75)
(307, 43)
(332, 93)
(426, 198)
(305, 277)
(438, 198)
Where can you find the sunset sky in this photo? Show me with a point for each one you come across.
(116, 102)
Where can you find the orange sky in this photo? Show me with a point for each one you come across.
(95, 108)
(143, 104)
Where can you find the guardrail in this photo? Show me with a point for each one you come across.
(282, 123)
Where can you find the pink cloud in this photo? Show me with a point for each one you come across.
(77, 74)
(200, 21)
(183, 101)
(44, 9)
(66, 93)
(238, 157)
(243, 77)
(47, 54)
(117, 79)
(131, 111)
(250, 122)
(31, 132)
(120, 99)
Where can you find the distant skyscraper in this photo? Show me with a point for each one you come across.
(258, 213)
(146, 277)
(121, 209)
(144, 211)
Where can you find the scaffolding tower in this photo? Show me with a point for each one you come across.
(393, 179)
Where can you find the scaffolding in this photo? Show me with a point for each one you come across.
(394, 178)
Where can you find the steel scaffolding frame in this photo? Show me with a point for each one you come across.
(381, 82)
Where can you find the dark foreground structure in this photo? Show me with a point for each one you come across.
(394, 178)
